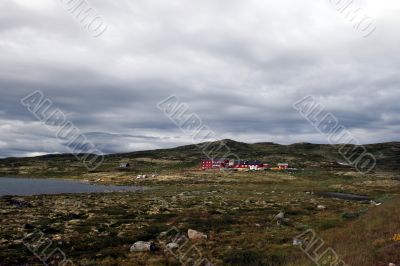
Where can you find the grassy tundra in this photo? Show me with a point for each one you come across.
(236, 211)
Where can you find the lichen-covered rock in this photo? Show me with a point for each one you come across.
(196, 235)
(172, 245)
(279, 216)
(141, 246)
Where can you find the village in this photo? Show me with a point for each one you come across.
(241, 165)
(225, 164)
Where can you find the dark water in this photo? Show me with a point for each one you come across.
(345, 196)
(38, 186)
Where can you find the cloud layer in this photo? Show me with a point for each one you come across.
(239, 65)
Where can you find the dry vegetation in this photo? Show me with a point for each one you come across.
(235, 210)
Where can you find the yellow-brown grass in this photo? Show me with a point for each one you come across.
(369, 239)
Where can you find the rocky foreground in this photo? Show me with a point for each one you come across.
(199, 219)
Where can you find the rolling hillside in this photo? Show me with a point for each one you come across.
(302, 155)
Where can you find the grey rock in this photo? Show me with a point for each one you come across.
(196, 235)
(279, 216)
(297, 242)
(172, 245)
(142, 246)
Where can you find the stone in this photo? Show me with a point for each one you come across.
(196, 235)
(163, 234)
(372, 202)
(297, 242)
(141, 246)
(172, 245)
(321, 207)
(279, 216)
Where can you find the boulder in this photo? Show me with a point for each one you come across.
(163, 234)
(372, 202)
(172, 246)
(196, 235)
(279, 216)
(297, 242)
(143, 246)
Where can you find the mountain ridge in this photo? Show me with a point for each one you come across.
(300, 155)
(227, 142)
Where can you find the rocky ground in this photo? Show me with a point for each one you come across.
(240, 218)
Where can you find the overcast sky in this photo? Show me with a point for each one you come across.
(239, 65)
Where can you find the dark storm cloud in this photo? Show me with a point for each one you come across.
(239, 65)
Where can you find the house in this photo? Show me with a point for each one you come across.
(206, 164)
(215, 163)
(283, 166)
(124, 165)
(256, 165)
(248, 165)
(253, 165)
(241, 165)
(220, 163)
(224, 163)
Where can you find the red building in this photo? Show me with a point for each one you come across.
(232, 164)
(206, 164)
(214, 163)
(253, 165)
(283, 165)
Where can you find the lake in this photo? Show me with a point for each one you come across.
(39, 186)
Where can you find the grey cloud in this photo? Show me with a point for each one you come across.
(238, 65)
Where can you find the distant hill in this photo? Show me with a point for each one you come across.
(298, 155)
